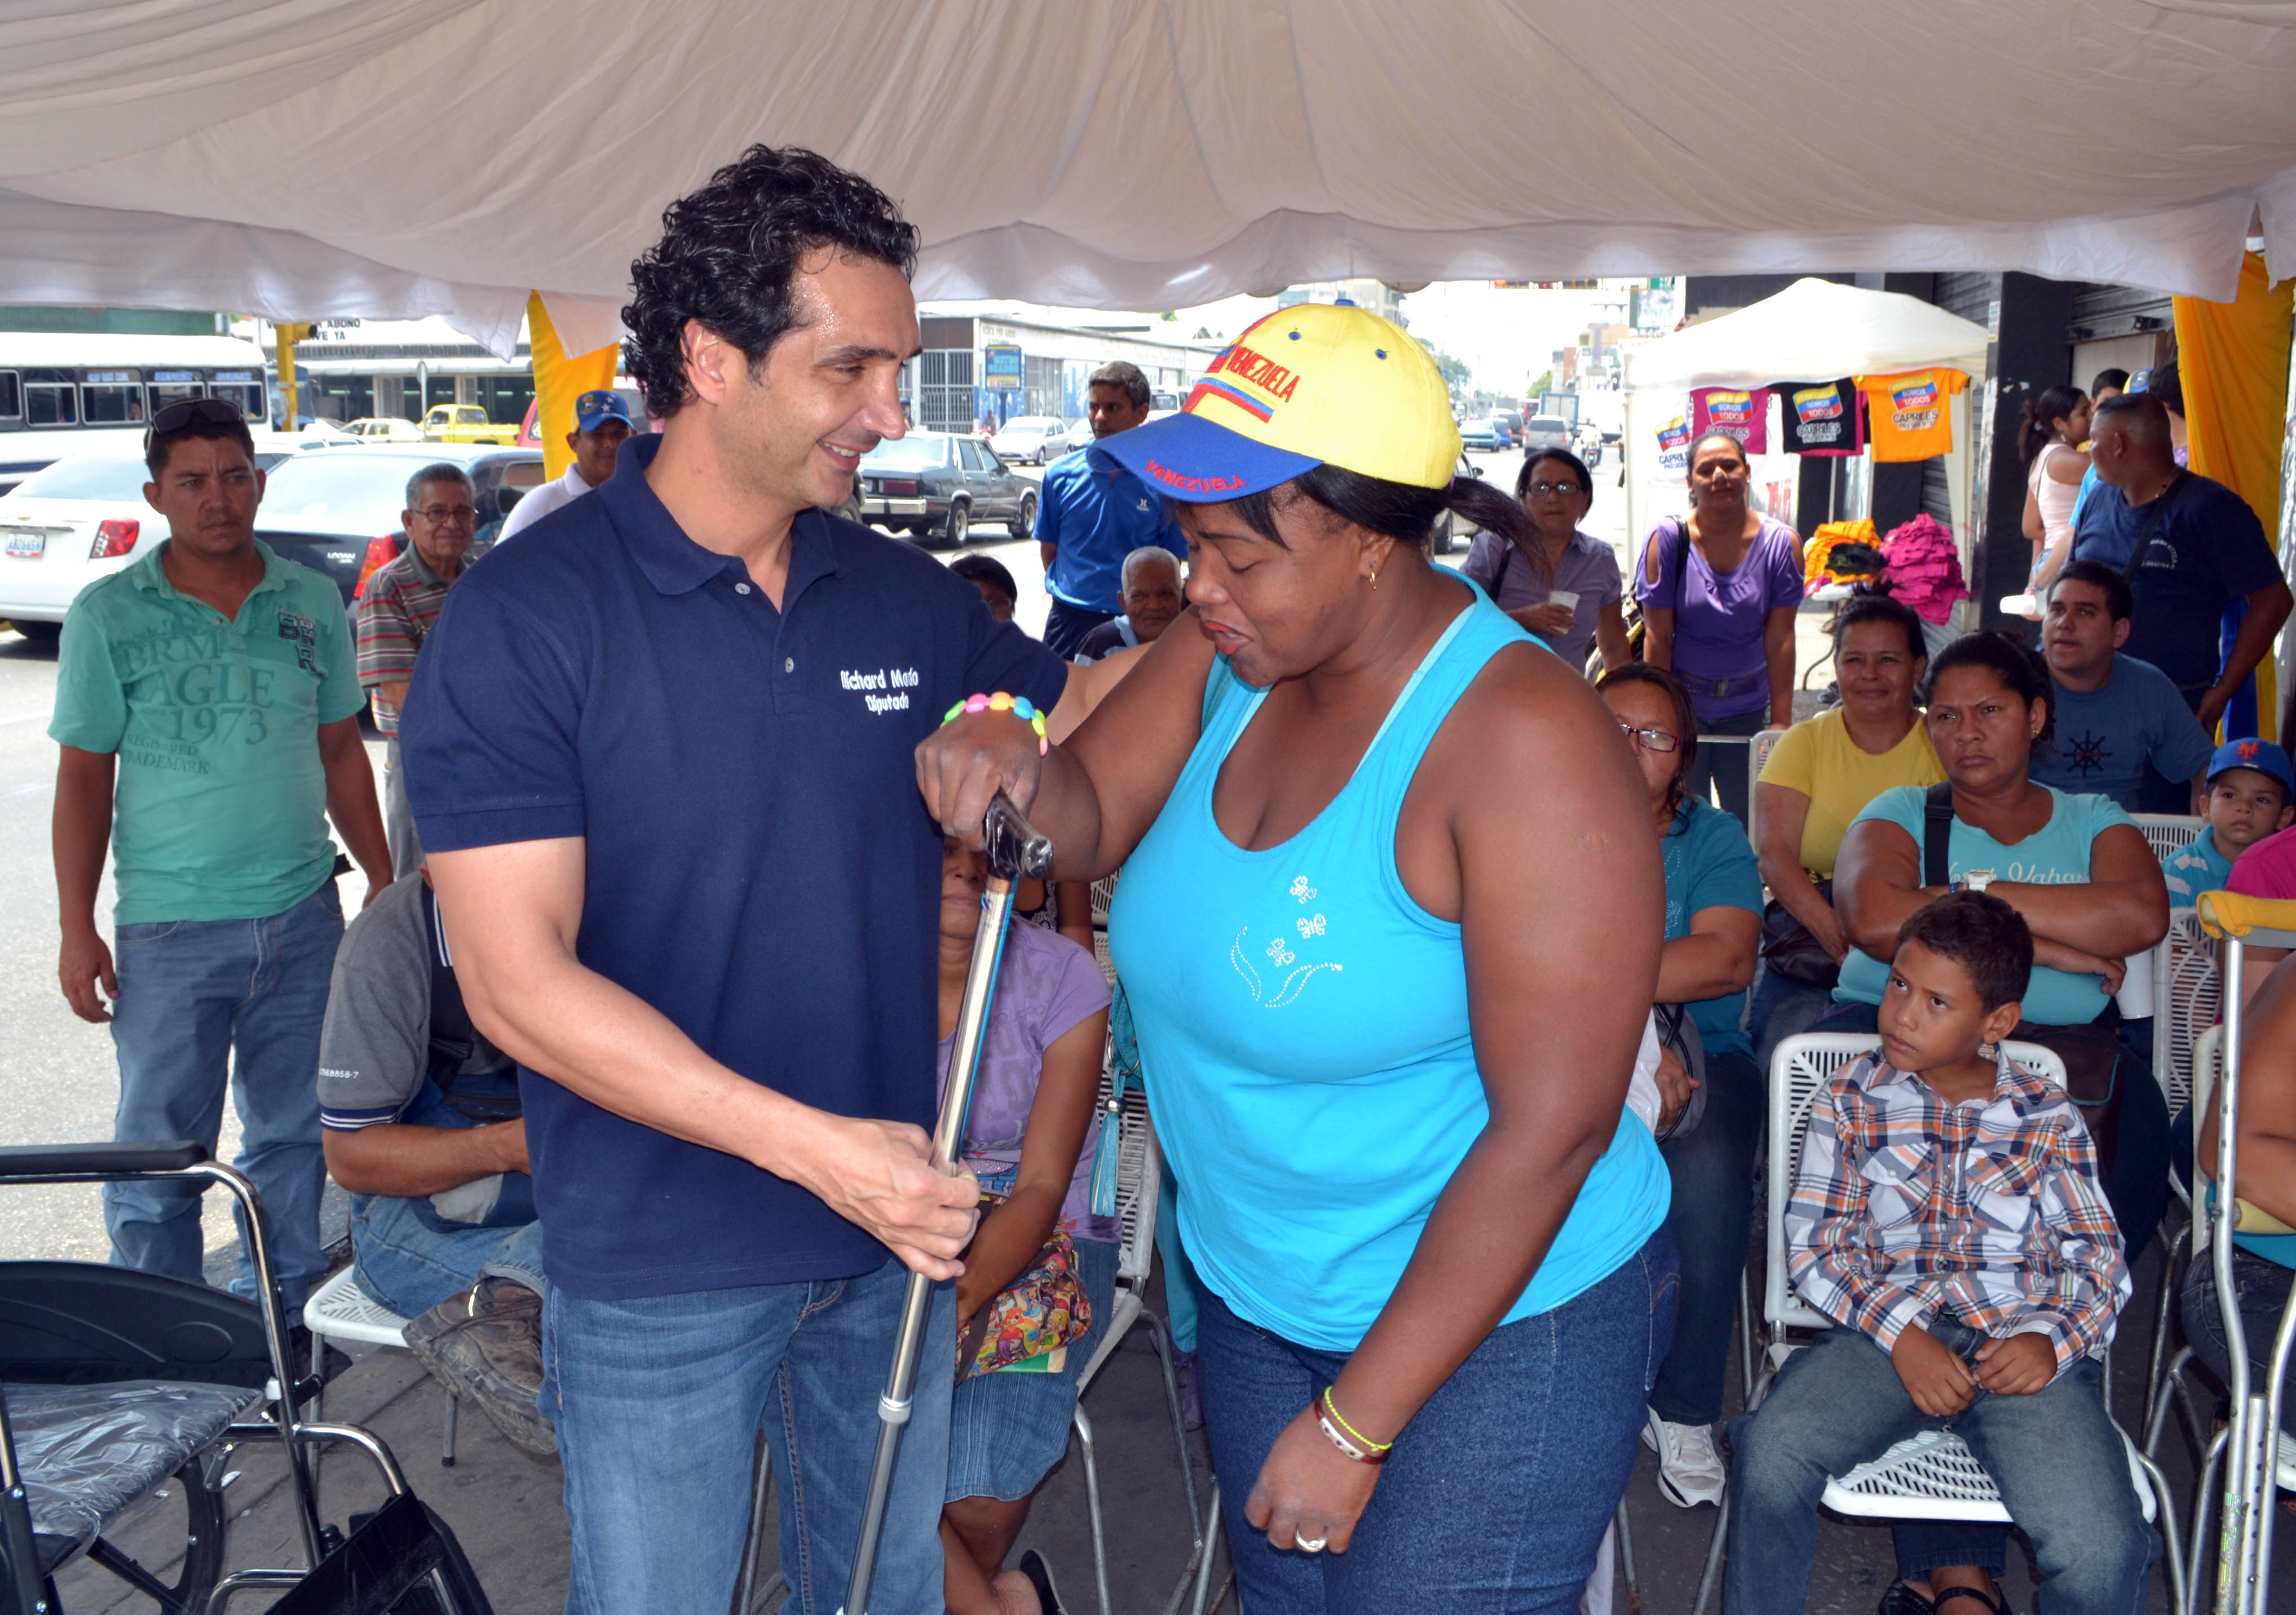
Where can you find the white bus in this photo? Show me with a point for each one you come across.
(68, 392)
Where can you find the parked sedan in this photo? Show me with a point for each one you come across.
(1488, 434)
(934, 485)
(1032, 439)
(336, 510)
(63, 528)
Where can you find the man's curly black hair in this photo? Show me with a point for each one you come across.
(729, 251)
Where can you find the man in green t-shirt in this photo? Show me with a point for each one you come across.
(206, 704)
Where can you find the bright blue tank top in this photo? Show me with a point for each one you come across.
(1304, 1040)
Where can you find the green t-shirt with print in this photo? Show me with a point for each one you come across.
(219, 809)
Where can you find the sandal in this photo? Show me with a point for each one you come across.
(1902, 1599)
(1998, 1606)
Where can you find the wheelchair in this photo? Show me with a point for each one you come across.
(116, 1383)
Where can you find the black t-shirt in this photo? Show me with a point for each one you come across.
(1821, 417)
(2207, 550)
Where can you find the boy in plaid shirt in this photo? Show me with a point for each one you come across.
(1947, 1214)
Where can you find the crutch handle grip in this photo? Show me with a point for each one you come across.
(1016, 848)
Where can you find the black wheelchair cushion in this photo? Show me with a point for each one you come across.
(85, 1323)
(88, 1451)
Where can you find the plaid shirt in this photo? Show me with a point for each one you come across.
(402, 601)
(1905, 1205)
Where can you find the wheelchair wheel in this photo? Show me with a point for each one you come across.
(202, 1562)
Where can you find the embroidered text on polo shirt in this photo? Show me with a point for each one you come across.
(897, 683)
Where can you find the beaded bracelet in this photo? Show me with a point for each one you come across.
(1018, 706)
(1353, 1444)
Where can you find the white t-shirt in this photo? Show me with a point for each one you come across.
(542, 501)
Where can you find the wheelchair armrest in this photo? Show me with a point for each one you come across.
(68, 1160)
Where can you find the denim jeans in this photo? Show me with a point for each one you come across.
(2262, 1287)
(1781, 1009)
(1724, 764)
(1711, 1215)
(658, 1400)
(1497, 1494)
(2061, 1465)
(411, 1267)
(207, 1005)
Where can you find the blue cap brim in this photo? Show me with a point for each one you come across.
(1198, 462)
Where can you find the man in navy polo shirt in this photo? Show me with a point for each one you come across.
(663, 767)
(1094, 513)
(2204, 551)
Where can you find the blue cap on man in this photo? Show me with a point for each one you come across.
(594, 408)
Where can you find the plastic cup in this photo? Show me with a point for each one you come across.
(1562, 598)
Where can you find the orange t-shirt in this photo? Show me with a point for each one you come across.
(1911, 416)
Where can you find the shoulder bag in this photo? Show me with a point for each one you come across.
(2092, 1052)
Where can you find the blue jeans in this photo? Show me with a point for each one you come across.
(658, 1400)
(207, 1005)
(1498, 1492)
(1781, 1009)
(411, 1267)
(2061, 1465)
(1724, 765)
(1712, 1213)
(2262, 1288)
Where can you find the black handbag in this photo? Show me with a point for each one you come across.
(1678, 1032)
(2092, 1052)
(1791, 950)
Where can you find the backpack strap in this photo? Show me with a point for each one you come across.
(2151, 524)
(1937, 836)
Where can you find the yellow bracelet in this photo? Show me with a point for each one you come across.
(1369, 1445)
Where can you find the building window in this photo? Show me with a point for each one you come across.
(945, 397)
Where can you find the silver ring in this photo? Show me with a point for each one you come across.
(1310, 1546)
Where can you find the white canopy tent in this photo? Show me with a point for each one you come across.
(1814, 331)
(304, 159)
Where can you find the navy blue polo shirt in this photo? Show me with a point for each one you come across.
(760, 867)
(2207, 550)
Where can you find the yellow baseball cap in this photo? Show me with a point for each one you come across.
(1313, 384)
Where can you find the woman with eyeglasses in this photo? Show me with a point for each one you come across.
(1562, 583)
(1719, 588)
(1713, 925)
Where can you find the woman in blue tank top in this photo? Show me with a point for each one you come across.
(1389, 924)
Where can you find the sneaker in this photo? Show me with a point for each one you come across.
(1040, 1577)
(484, 1346)
(1689, 1469)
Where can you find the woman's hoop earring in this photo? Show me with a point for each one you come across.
(1374, 580)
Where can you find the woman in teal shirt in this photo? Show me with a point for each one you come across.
(2077, 869)
(1390, 925)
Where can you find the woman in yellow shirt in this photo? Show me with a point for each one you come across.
(1817, 779)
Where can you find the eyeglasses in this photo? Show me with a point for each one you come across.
(183, 412)
(1650, 740)
(437, 514)
(1542, 489)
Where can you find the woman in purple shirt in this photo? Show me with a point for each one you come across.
(1720, 611)
(1027, 1138)
(1525, 579)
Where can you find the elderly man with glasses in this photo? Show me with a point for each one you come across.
(396, 611)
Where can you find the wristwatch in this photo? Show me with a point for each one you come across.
(1976, 880)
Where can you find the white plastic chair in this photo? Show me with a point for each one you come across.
(2168, 832)
(1758, 752)
(1139, 1184)
(340, 1310)
(1931, 1476)
(2187, 997)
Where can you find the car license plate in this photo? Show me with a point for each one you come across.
(27, 547)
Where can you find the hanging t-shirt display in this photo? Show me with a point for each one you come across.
(1674, 447)
(1911, 416)
(1745, 415)
(1820, 417)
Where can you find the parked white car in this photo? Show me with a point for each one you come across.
(61, 529)
(1032, 439)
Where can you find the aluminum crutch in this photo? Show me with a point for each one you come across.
(1014, 849)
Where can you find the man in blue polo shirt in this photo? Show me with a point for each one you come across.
(2120, 728)
(2204, 551)
(1092, 513)
(663, 768)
